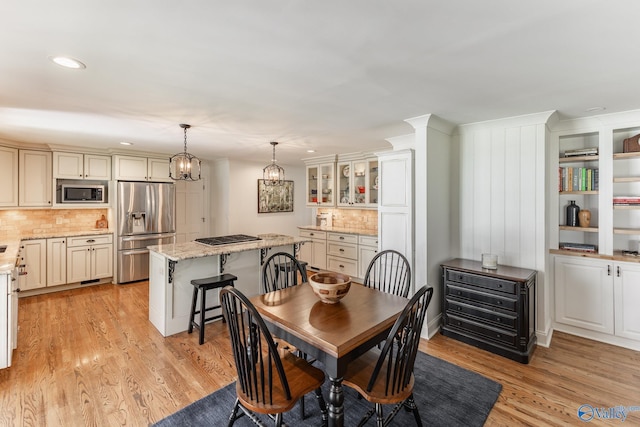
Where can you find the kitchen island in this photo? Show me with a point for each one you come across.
(173, 266)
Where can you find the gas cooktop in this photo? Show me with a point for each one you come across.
(226, 240)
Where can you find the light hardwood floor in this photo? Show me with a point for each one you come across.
(90, 357)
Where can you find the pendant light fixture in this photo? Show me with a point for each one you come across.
(273, 174)
(184, 166)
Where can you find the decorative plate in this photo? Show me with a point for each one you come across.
(345, 171)
(375, 183)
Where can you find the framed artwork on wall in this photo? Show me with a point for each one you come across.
(275, 198)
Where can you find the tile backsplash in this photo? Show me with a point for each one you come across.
(366, 219)
(43, 222)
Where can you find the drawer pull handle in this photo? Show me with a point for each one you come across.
(499, 285)
(341, 250)
(311, 234)
(341, 238)
(498, 319)
(498, 336)
(499, 302)
(341, 266)
(459, 308)
(91, 240)
(459, 293)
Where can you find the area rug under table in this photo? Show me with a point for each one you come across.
(446, 395)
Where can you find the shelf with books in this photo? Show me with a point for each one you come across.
(578, 159)
(585, 193)
(626, 191)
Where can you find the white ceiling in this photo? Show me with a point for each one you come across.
(334, 76)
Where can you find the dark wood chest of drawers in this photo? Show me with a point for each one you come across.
(491, 309)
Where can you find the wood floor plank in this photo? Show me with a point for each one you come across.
(90, 357)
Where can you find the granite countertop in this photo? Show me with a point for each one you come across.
(8, 258)
(190, 250)
(349, 230)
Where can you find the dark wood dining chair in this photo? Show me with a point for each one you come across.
(269, 382)
(280, 271)
(385, 376)
(390, 272)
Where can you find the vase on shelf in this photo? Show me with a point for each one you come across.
(572, 214)
(584, 217)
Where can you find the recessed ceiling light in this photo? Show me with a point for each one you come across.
(126, 143)
(311, 151)
(595, 109)
(67, 62)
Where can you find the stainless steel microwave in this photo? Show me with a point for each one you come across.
(82, 193)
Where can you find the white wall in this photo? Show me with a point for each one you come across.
(234, 201)
(500, 209)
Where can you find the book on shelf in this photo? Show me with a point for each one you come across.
(578, 179)
(626, 200)
(592, 151)
(579, 247)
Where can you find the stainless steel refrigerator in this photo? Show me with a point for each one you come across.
(146, 216)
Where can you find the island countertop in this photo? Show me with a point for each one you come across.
(190, 250)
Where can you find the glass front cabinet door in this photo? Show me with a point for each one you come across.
(320, 185)
(358, 183)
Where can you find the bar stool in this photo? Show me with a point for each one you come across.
(204, 285)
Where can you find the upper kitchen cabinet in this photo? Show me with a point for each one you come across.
(321, 181)
(357, 178)
(130, 168)
(81, 166)
(9, 176)
(34, 178)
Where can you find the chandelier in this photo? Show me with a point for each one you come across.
(273, 174)
(184, 166)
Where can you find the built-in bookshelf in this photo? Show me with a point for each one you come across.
(578, 180)
(626, 193)
(606, 181)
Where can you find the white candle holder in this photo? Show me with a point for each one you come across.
(490, 261)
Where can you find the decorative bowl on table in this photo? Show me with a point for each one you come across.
(330, 287)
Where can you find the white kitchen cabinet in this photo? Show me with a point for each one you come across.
(342, 253)
(584, 293)
(626, 285)
(8, 320)
(357, 180)
(9, 176)
(89, 258)
(56, 261)
(34, 178)
(132, 168)
(367, 250)
(598, 295)
(395, 205)
(158, 169)
(315, 251)
(320, 179)
(81, 166)
(32, 264)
